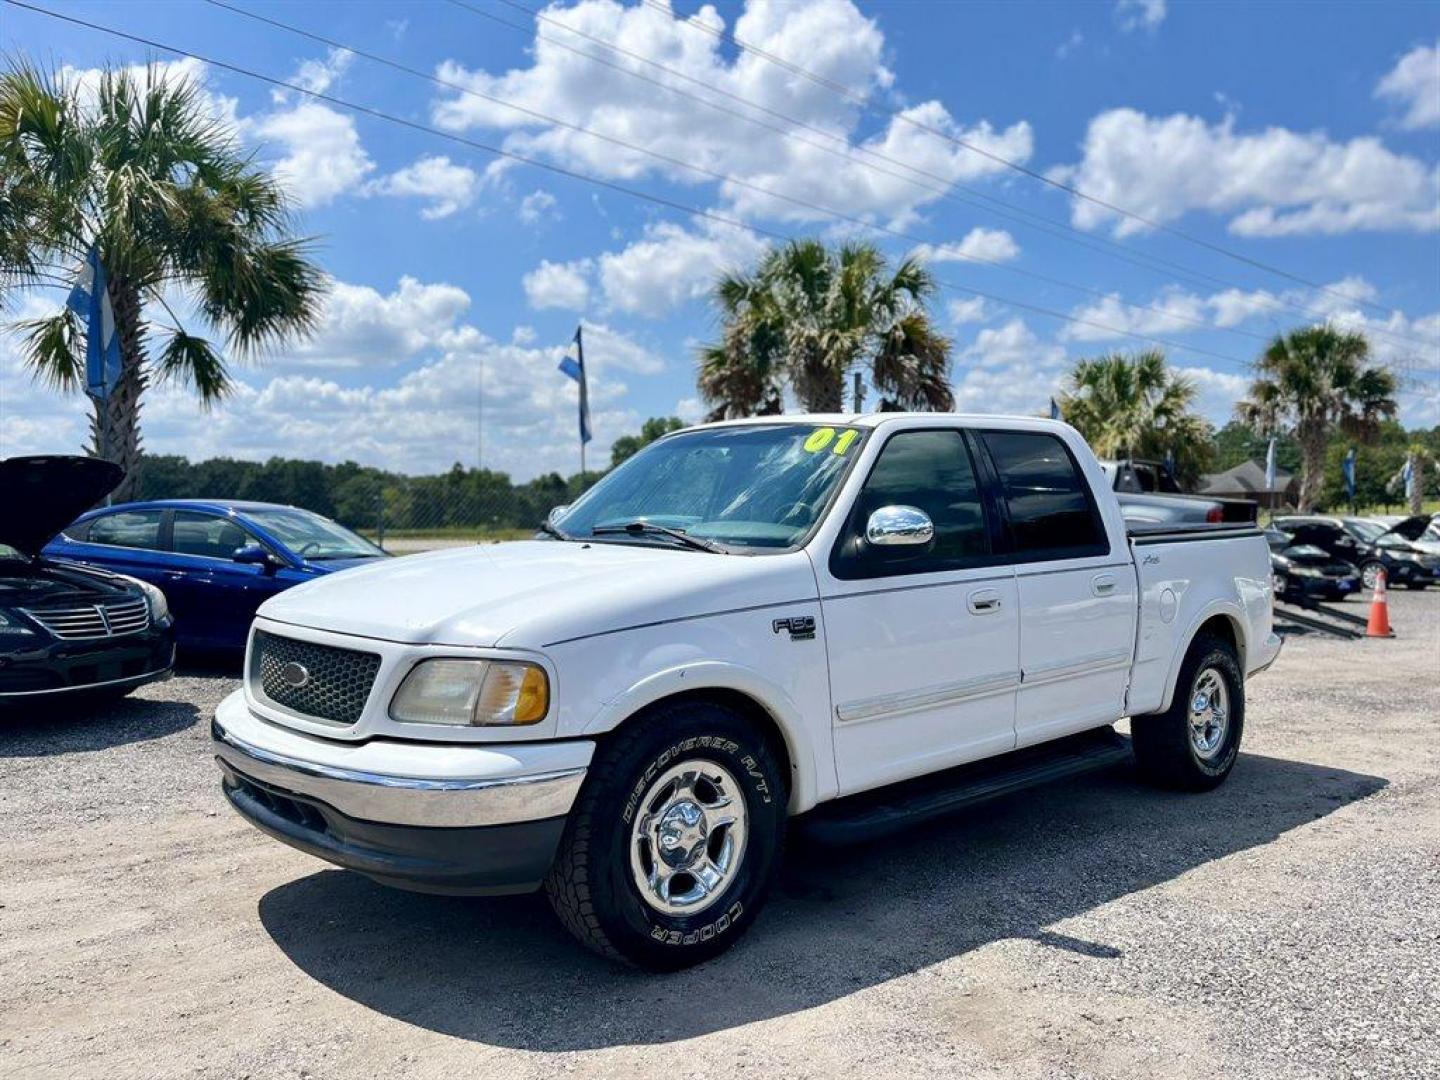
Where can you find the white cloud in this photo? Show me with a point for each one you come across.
(362, 327)
(971, 310)
(673, 265)
(322, 157)
(420, 421)
(1008, 369)
(537, 207)
(318, 76)
(1216, 392)
(448, 187)
(1139, 14)
(1110, 317)
(1276, 181)
(1069, 45)
(834, 39)
(982, 245)
(559, 285)
(1414, 84)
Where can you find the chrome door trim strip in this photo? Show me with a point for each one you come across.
(1086, 665)
(913, 700)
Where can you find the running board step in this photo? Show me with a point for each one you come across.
(873, 814)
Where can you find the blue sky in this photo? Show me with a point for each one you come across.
(1303, 137)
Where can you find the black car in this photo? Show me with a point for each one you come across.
(1305, 572)
(1358, 541)
(68, 632)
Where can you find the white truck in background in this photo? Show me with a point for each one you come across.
(849, 623)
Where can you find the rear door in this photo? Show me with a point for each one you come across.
(125, 541)
(922, 642)
(1077, 595)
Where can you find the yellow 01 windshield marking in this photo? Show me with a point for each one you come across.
(819, 439)
(846, 439)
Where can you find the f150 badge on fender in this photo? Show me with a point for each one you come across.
(801, 627)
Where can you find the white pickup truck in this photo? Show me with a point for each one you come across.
(854, 622)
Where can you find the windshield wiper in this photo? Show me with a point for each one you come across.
(550, 530)
(640, 528)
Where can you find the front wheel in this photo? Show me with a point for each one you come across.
(674, 841)
(1192, 745)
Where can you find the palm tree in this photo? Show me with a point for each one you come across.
(1316, 380)
(1137, 406)
(142, 171)
(808, 316)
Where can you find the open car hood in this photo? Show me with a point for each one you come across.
(1412, 528)
(39, 496)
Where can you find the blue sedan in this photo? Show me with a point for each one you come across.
(215, 561)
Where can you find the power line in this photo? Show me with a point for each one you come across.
(864, 102)
(723, 178)
(1027, 218)
(561, 170)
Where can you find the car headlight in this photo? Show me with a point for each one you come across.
(10, 626)
(476, 693)
(159, 606)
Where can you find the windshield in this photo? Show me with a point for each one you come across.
(1368, 531)
(763, 486)
(311, 536)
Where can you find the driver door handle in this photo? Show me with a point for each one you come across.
(983, 602)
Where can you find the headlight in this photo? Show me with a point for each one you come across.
(159, 606)
(477, 693)
(10, 626)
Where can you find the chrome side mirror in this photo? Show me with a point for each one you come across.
(899, 526)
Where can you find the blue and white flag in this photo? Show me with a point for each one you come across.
(574, 366)
(1170, 462)
(1054, 409)
(1347, 469)
(1408, 475)
(1270, 467)
(90, 299)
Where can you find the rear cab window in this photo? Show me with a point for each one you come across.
(1049, 508)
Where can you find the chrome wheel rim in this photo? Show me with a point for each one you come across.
(1209, 713)
(1370, 575)
(688, 839)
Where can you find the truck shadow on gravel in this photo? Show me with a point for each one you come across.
(502, 972)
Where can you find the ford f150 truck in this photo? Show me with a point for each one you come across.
(854, 622)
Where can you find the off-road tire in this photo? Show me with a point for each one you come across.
(590, 885)
(1162, 744)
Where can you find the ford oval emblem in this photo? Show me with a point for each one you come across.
(295, 675)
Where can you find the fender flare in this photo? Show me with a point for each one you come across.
(1236, 616)
(688, 678)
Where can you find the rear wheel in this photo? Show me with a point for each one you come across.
(1370, 573)
(1192, 745)
(674, 841)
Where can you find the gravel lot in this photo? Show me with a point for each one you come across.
(1287, 925)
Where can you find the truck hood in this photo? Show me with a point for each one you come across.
(41, 495)
(530, 594)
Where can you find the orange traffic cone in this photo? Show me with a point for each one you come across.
(1379, 625)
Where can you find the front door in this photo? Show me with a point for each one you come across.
(923, 641)
(1077, 596)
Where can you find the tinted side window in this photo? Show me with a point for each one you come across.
(1051, 512)
(195, 533)
(930, 470)
(128, 528)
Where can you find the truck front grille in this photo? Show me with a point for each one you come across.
(81, 622)
(318, 681)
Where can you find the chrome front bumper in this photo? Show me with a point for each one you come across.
(434, 786)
